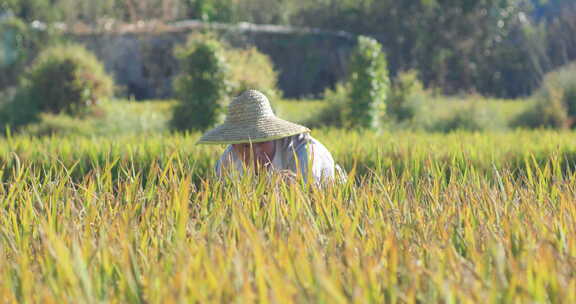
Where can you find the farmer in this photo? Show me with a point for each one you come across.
(257, 139)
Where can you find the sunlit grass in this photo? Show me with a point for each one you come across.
(442, 107)
(298, 111)
(423, 218)
(124, 117)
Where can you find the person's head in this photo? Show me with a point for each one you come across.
(250, 119)
(259, 155)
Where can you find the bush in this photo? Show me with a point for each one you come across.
(369, 85)
(17, 109)
(63, 79)
(67, 78)
(554, 104)
(333, 113)
(406, 95)
(471, 117)
(251, 69)
(548, 112)
(203, 84)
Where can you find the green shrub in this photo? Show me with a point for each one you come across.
(251, 69)
(333, 113)
(471, 117)
(369, 85)
(63, 79)
(554, 104)
(67, 78)
(203, 84)
(406, 96)
(545, 112)
(17, 109)
(59, 124)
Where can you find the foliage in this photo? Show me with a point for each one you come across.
(554, 104)
(562, 82)
(30, 10)
(471, 117)
(251, 69)
(19, 45)
(299, 111)
(11, 42)
(17, 109)
(542, 114)
(203, 84)
(516, 66)
(209, 10)
(58, 124)
(66, 78)
(111, 118)
(336, 101)
(494, 47)
(558, 20)
(369, 85)
(440, 218)
(120, 117)
(407, 97)
(451, 43)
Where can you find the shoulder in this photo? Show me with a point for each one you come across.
(301, 141)
(319, 147)
(305, 145)
(319, 154)
(225, 160)
(322, 160)
(226, 154)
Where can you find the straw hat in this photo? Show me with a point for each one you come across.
(250, 119)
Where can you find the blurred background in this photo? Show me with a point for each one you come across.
(126, 66)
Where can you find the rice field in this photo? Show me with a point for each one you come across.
(423, 218)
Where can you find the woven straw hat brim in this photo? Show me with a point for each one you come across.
(265, 129)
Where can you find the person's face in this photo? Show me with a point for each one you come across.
(258, 155)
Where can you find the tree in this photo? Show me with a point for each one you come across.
(202, 86)
(369, 84)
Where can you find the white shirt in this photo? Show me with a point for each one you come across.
(292, 153)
